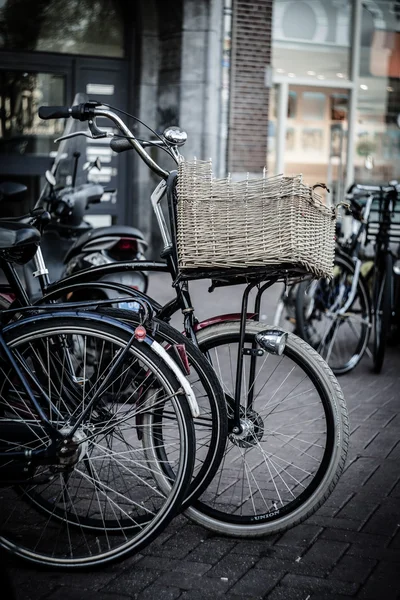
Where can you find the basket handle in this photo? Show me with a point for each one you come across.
(321, 185)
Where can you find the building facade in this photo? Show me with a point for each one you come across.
(158, 59)
(335, 98)
(307, 86)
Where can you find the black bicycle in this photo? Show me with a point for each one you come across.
(273, 473)
(335, 316)
(93, 416)
(386, 232)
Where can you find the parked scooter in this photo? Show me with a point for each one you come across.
(69, 242)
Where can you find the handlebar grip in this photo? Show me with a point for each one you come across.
(120, 145)
(54, 112)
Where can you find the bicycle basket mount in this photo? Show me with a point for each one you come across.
(268, 225)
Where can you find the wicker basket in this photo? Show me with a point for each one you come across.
(227, 226)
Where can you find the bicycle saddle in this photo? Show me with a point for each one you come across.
(18, 242)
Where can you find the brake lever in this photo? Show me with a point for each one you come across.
(71, 135)
(96, 132)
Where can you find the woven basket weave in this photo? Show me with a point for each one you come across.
(268, 222)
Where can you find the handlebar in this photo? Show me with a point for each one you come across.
(122, 144)
(88, 111)
(82, 112)
(372, 189)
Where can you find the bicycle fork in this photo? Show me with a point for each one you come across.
(271, 340)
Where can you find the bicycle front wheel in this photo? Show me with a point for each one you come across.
(340, 338)
(96, 499)
(291, 451)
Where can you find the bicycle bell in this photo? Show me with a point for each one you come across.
(175, 136)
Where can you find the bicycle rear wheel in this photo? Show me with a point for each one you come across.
(96, 500)
(382, 309)
(293, 444)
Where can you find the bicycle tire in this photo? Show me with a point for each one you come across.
(223, 512)
(211, 399)
(382, 310)
(63, 529)
(345, 346)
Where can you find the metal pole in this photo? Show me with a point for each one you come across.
(354, 75)
(283, 93)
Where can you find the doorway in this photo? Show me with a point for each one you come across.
(308, 134)
(27, 143)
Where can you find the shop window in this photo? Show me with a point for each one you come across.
(313, 106)
(21, 94)
(311, 39)
(93, 27)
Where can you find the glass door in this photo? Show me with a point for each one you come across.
(308, 128)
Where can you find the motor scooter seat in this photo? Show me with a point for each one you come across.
(103, 232)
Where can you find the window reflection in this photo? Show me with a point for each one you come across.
(75, 26)
(377, 145)
(312, 39)
(21, 94)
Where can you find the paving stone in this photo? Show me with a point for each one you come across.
(67, 593)
(355, 537)
(257, 582)
(385, 477)
(132, 581)
(303, 535)
(188, 581)
(202, 595)
(335, 522)
(255, 547)
(156, 562)
(158, 592)
(388, 555)
(358, 510)
(384, 583)
(232, 566)
(283, 593)
(177, 546)
(322, 556)
(211, 551)
(382, 444)
(353, 568)
(316, 584)
(288, 553)
(187, 566)
(360, 470)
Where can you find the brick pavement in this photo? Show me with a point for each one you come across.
(350, 548)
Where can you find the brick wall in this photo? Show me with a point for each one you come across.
(251, 53)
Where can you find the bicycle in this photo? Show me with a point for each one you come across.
(236, 503)
(334, 316)
(385, 232)
(79, 488)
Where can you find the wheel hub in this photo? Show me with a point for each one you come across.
(252, 430)
(72, 449)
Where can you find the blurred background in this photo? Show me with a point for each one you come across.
(308, 86)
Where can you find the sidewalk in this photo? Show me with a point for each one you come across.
(350, 548)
